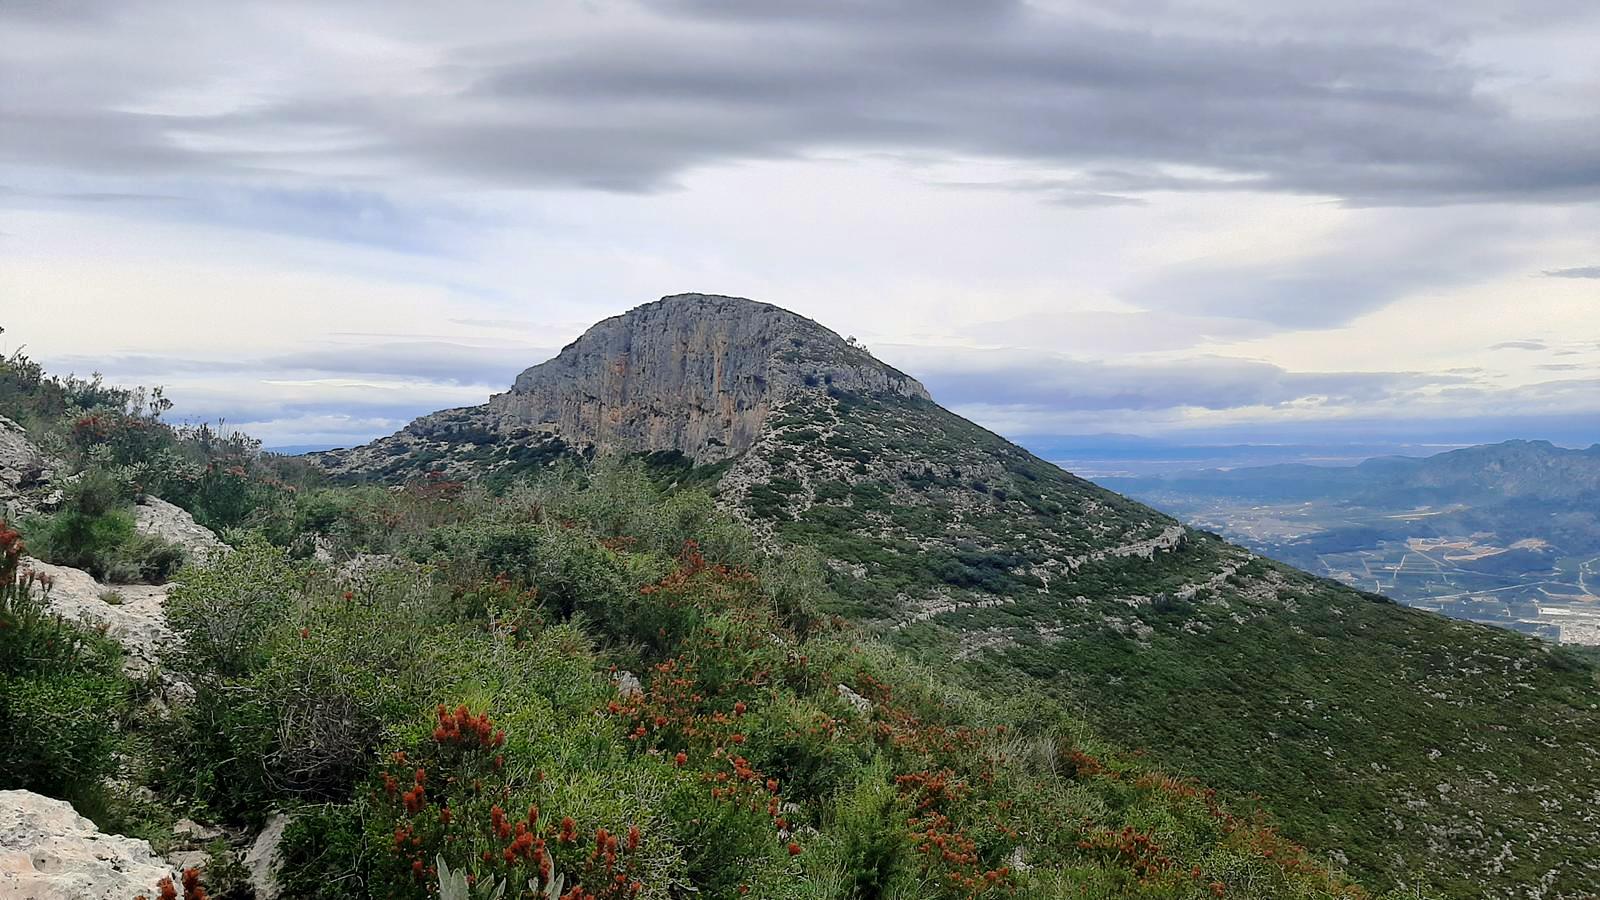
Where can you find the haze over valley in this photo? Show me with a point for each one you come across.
(1506, 534)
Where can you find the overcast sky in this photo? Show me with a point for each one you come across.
(1211, 219)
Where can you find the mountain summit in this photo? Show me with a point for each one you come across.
(1396, 741)
(699, 374)
(694, 373)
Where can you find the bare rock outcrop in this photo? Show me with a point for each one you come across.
(157, 517)
(22, 467)
(695, 373)
(49, 852)
(132, 614)
(265, 857)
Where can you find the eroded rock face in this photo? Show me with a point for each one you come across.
(49, 852)
(133, 614)
(155, 516)
(22, 466)
(694, 373)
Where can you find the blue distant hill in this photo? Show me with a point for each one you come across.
(1507, 533)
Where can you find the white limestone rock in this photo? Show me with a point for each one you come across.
(263, 859)
(628, 685)
(137, 620)
(49, 852)
(157, 517)
(861, 704)
(22, 467)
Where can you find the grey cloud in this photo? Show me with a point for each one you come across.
(268, 410)
(15, 194)
(1520, 345)
(1559, 410)
(1101, 332)
(1064, 384)
(139, 365)
(441, 362)
(435, 360)
(1571, 395)
(506, 324)
(680, 84)
(901, 13)
(1062, 192)
(305, 209)
(1364, 269)
(1575, 272)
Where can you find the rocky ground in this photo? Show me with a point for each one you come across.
(47, 850)
(26, 473)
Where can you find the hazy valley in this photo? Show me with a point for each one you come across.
(1505, 534)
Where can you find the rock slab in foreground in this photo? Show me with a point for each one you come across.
(264, 858)
(49, 852)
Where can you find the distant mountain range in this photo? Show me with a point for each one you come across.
(1395, 740)
(1489, 473)
(1507, 533)
(1109, 455)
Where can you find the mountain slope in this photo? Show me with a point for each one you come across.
(1400, 741)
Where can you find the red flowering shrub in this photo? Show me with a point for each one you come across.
(11, 548)
(450, 797)
(507, 603)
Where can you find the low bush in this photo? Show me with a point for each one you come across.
(458, 716)
(324, 853)
(62, 690)
(94, 531)
(228, 612)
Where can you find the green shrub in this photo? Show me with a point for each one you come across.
(227, 612)
(463, 795)
(212, 750)
(155, 558)
(62, 691)
(94, 531)
(81, 540)
(868, 840)
(324, 853)
(59, 729)
(332, 692)
(745, 768)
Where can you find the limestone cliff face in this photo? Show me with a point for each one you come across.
(696, 373)
(693, 372)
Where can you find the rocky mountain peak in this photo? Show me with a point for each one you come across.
(699, 374)
(696, 373)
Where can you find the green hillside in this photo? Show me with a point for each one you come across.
(583, 685)
(1414, 748)
(1402, 741)
(922, 556)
